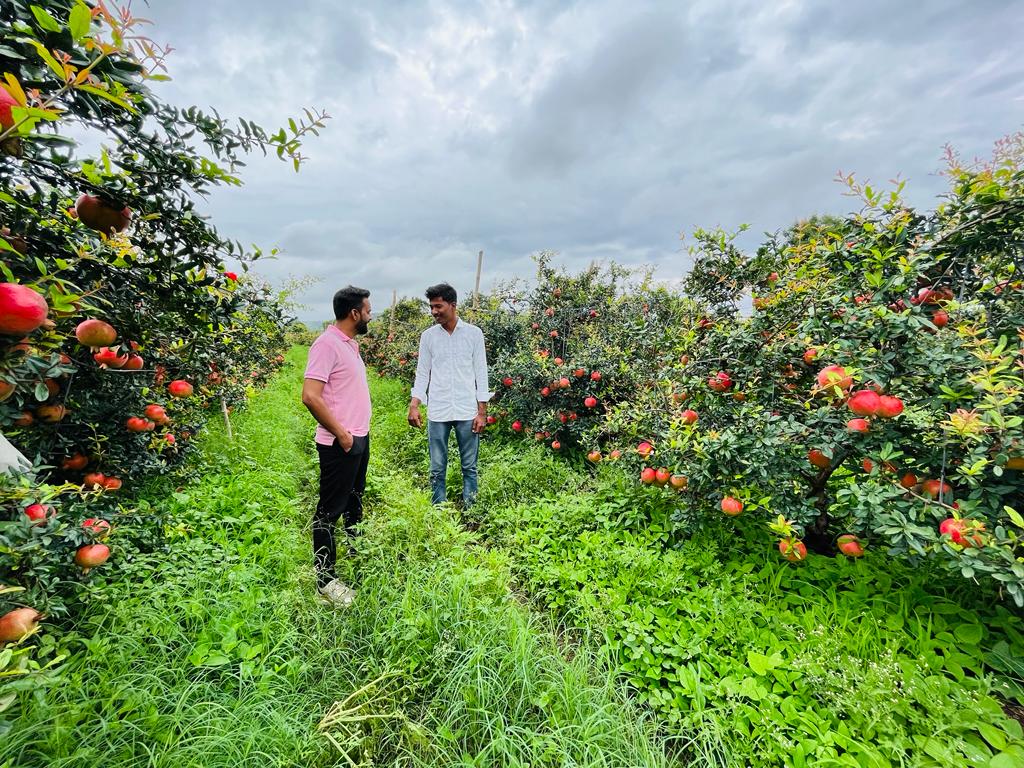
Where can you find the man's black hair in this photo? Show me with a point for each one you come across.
(442, 291)
(347, 299)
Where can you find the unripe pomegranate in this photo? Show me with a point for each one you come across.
(594, 456)
(95, 333)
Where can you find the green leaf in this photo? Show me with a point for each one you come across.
(46, 56)
(41, 392)
(1014, 516)
(45, 20)
(79, 21)
(992, 735)
(105, 95)
(1004, 760)
(969, 634)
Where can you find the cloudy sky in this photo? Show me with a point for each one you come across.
(600, 130)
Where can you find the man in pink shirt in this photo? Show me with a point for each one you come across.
(336, 392)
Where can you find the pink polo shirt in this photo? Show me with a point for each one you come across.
(334, 359)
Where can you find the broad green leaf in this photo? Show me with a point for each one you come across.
(80, 21)
(45, 20)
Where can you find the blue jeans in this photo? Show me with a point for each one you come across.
(438, 433)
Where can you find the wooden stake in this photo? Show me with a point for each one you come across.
(476, 290)
(391, 319)
(227, 421)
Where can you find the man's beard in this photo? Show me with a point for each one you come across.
(362, 327)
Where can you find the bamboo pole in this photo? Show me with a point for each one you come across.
(227, 420)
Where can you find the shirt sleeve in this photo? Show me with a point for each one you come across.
(422, 382)
(320, 361)
(480, 368)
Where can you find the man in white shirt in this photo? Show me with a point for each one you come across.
(451, 380)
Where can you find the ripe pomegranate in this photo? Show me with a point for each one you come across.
(22, 310)
(858, 425)
(889, 407)
(579, 373)
(590, 402)
(932, 489)
(95, 333)
(864, 402)
(645, 449)
(6, 390)
(109, 357)
(232, 276)
(98, 215)
(112, 483)
(594, 456)
(720, 382)
(850, 545)
(490, 420)
(134, 363)
(559, 361)
(731, 506)
(773, 277)
(7, 102)
(25, 420)
(507, 381)
(940, 319)
(662, 475)
(648, 476)
(595, 376)
(615, 454)
(563, 383)
(689, 416)
(909, 480)
(169, 438)
(549, 312)
(97, 527)
(555, 445)
(156, 413)
(834, 376)
(793, 550)
(16, 624)
(517, 426)
(137, 424)
(535, 326)
(91, 555)
(818, 459)
(679, 482)
(51, 414)
(94, 480)
(966, 533)
(545, 391)
(179, 388)
(75, 462)
(554, 334)
(38, 513)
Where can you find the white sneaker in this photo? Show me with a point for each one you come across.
(338, 593)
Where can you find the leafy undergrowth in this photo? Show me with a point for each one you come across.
(208, 648)
(829, 662)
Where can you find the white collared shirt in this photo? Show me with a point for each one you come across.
(452, 370)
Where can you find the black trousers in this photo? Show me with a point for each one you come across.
(342, 483)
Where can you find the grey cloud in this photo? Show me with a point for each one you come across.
(585, 128)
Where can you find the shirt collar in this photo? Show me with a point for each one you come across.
(340, 332)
